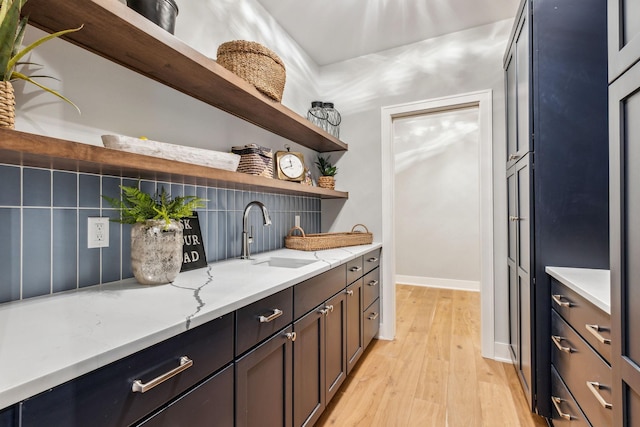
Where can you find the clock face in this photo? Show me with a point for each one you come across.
(291, 166)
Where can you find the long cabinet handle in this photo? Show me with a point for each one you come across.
(514, 218)
(349, 292)
(372, 259)
(373, 283)
(356, 268)
(556, 402)
(139, 387)
(594, 388)
(266, 319)
(291, 336)
(514, 156)
(557, 340)
(558, 300)
(373, 316)
(595, 331)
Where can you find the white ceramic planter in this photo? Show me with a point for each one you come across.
(156, 251)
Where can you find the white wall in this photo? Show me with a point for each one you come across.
(437, 206)
(461, 62)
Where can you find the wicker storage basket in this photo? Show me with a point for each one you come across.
(255, 64)
(255, 160)
(316, 242)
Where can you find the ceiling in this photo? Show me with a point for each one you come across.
(335, 30)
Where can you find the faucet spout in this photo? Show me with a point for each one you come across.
(247, 235)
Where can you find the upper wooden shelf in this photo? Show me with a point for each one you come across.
(20, 148)
(118, 33)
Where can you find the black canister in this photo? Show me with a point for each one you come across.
(161, 12)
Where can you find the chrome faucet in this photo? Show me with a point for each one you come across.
(247, 235)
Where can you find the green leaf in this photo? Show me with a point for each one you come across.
(37, 43)
(9, 20)
(17, 75)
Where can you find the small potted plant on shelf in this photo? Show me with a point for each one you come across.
(156, 235)
(327, 172)
(12, 30)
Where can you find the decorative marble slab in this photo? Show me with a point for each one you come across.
(594, 285)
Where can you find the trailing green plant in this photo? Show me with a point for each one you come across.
(325, 167)
(137, 206)
(12, 30)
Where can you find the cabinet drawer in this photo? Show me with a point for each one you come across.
(371, 260)
(310, 293)
(371, 320)
(578, 364)
(593, 324)
(211, 400)
(104, 397)
(262, 319)
(565, 411)
(371, 287)
(8, 417)
(355, 269)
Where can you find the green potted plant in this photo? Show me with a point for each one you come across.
(327, 172)
(156, 235)
(12, 30)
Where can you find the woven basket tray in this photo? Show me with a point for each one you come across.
(256, 64)
(316, 242)
(255, 160)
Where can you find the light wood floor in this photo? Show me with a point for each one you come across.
(432, 374)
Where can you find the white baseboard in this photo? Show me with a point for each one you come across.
(501, 352)
(434, 282)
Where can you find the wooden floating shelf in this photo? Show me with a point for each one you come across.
(20, 148)
(118, 33)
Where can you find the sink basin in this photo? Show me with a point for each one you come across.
(284, 262)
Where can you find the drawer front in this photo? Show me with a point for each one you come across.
(212, 400)
(371, 260)
(371, 287)
(104, 397)
(593, 324)
(310, 293)
(371, 320)
(578, 364)
(565, 411)
(355, 270)
(262, 319)
(8, 417)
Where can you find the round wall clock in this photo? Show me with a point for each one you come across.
(290, 165)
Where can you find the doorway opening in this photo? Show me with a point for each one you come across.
(438, 108)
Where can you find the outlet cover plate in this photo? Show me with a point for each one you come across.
(97, 232)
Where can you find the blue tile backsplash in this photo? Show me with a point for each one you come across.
(43, 227)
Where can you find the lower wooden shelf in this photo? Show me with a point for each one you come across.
(26, 149)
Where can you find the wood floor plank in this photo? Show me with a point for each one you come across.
(432, 374)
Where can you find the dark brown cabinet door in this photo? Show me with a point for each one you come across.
(264, 383)
(309, 367)
(354, 324)
(335, 344)
(624, 127)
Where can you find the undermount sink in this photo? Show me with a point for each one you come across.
(284, 262)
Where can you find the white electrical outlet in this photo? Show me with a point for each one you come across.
(97, 232)
(297, 221)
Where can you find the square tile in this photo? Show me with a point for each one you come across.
(65, 189)
(10, 185)
(222, 199)
(111, 188)
(10, 254)
(125, 248)
(148, 187)
(212, 195)
(211, 239)
(177, 190)
(189, 190)
(36, 252)
(221, 241)
(65, 247)
(36, 187)
(89, 196)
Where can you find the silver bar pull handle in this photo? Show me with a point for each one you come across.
(513, 156)
(266, 319)
(373, 316)
(557, 340)
(349, 292)
(556, 402)
(291, 336)
(514, 218)
(558, 300)
(139, 387)
(595, 331)
(330, 308)
(372, 259)
(373, 283)
(323, 311)
(593, 387)
(356, 268)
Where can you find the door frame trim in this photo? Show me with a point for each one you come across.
(483, 100)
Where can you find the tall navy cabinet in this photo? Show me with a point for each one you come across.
(624, 122)
(557, 168)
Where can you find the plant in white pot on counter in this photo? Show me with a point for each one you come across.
(12, 30)
(327, 172)
(156, 235)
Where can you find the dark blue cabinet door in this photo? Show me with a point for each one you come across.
(8, 417)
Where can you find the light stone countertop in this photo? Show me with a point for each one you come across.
(592, 284)
(46, 341)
